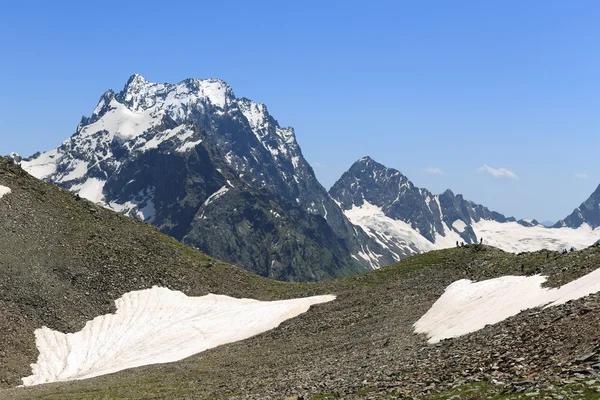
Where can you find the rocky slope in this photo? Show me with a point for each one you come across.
(407, 220)
(65, 260)
(184, 156)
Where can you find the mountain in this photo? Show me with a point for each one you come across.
(407, 220)
(214, 171)
(588, 213)
(64, 261)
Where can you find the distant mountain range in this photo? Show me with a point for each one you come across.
(406, 219)
(219, 173)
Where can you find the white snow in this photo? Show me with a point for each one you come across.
(515, 238)
(468, 306)
(80, 168)
(216, 195)
(121, 122)
(508, 236)
(215, 90)
(369, 256)
(254, 113)
(182, 132)
(4, 191)
(459, 225)
(155, 326)
(295, 161)
(372, 219)
(91, 189)
(42, 166)
(140, 207)
(188, 146)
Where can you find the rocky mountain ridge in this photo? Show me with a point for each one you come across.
(181, 156)
(587, 213)
(407, 220)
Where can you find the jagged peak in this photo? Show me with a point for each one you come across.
(140, 94)
(136, 79)
(105, 99)
(246, 102)
(370, 164)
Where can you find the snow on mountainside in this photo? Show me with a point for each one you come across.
(145, 116)
(163, 153)
(409, 220)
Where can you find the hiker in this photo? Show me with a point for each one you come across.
(572, 249)
(457, 243)
(462, 244)
(481, 241)
(522, 268)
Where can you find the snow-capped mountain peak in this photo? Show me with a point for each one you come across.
(139, 94)
(159, 151)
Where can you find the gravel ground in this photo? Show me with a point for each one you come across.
(64, 261)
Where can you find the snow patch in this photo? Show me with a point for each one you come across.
(181, 131)
(515, 238)
(80, 168)
(459, 225)
(468, 306)
(4, 191)
(123, 123)
(215, 195)
(42, 166)
(155, 326)
(141, 207)
(188, 146)
(400, 234)
(91, 189)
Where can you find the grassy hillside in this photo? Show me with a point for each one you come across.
(64, 261)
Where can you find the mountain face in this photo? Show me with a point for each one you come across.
(406, 219)
(214, 171)
(587, 213)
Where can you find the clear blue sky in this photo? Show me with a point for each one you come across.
(416, 85)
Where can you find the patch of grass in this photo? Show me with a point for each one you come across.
(326, 396)
(485, 391)
(366, 390)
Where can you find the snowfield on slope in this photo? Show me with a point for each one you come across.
(4, 191)
(516, 238)
(468, 306)
(155, 326)
(508, 236)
